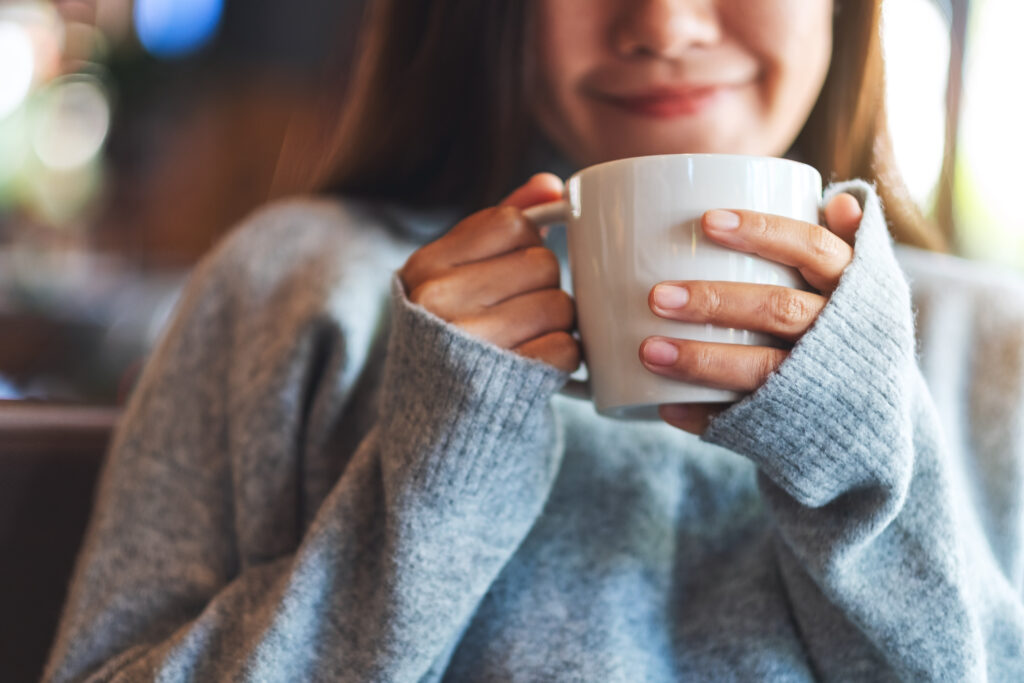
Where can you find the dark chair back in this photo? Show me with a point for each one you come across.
(50, 456)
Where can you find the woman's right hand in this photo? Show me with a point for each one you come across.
(492, 276)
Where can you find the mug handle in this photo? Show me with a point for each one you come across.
(543, 215)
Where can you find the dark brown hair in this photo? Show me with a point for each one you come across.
(436, 114)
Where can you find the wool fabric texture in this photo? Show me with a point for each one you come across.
(316, 479)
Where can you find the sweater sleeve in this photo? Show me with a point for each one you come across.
(877, 542)
(381, 584)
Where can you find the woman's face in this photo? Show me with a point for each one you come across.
(622, 78)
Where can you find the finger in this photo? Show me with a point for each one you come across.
(736, 367)
(485, 234)
(469, 289)
(842, 216)
(784, 312)
(691, 417)
(540, 188)
(522, 317)
(819, 254)
(559, 349)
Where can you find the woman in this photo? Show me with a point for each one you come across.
(347, 458)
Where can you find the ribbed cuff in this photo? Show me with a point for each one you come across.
(461, 416)
(830, 419)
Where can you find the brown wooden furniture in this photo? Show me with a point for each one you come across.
(49, 458)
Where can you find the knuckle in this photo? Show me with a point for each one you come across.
(565, 343)
(410, 263)
(424, 264)
(411, 269)
(565, 350)
(784, 309)
(419, 294)
(544, 260)
(822, 244)
(470, 223)
(565, 307)
(570, 350)
(506, 214)
(559, 349)
(514, 224)
(562, 298)
(407, 281)
(562, 339)
(711, 302)
(476, 326)
(545, 256)
(700, 361)
(512, 213)
(430, 294)
(766, 363)
(765, 228)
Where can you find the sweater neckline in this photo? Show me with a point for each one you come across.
(424, 224)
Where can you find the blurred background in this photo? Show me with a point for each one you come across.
(133, 133)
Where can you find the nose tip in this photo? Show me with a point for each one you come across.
(664, 28)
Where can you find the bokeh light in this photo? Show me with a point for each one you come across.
(15, 150)
(72, 122)
(113, 18)
(172, 28)
(60, 198)
(17, 57)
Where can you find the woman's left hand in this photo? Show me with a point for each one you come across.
(820, 254)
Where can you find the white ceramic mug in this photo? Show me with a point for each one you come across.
(632, 223)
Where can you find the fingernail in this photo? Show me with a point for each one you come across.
(660, 352)
(671, 296)
(716, 219)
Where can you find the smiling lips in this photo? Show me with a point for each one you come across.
(669, 103)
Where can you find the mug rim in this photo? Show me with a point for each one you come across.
(697, 155)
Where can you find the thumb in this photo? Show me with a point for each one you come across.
(540, 188)
(842, 216)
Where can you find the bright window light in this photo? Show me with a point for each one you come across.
(991, 149)
(17, 55)
(915, 41)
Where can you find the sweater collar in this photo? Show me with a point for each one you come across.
(422, 225)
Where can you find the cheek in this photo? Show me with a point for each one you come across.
(793, 42)
(567, 44)
(782, 30)
(567, 39)
(807, 47)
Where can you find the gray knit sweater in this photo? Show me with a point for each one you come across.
(316, 479)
